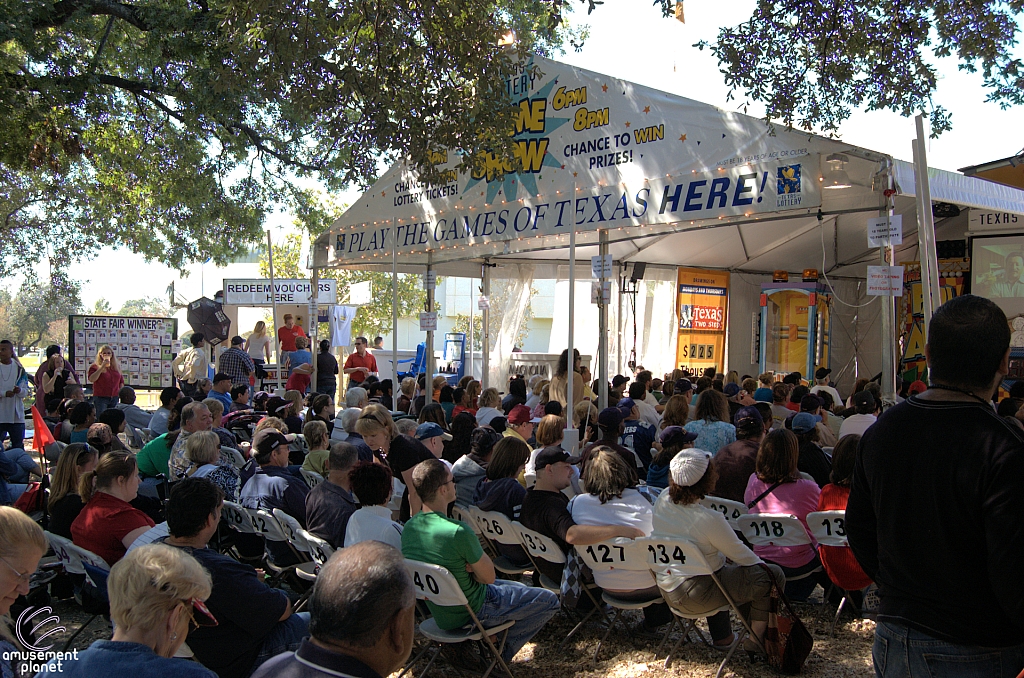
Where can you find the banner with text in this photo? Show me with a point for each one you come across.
(596, 152)
(258, 292)
(143, 347)
(703, 306)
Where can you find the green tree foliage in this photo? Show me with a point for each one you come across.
(171, 128)
(101, 307)
(146, 307)
(811, 63)
(286, 259)
(35, 312)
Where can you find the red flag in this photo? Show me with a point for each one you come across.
(41, 435)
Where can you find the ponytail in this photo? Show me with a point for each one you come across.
(111, 466)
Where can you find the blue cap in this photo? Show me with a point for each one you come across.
(429, 429)
(731, 389)
(626, 404)
(804, 422)
(763, 395)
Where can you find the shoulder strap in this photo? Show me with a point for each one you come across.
(763, 495)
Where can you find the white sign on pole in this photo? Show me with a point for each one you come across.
(884, 231)
(428, 321)
(430, 280)
(601, 293)
(244, 292)
(483, 303)
(360, 294)
(885, 281)
(601, 267)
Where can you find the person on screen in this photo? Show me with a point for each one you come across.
(1013, 277)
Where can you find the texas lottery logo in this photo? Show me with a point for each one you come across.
(788, 187)
(693, 317)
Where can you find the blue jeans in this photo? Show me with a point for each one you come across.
(103, 403)
(17, 433)
(530, 607)
(286, 636)
(900, 651)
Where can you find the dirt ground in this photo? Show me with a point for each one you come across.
(848, 653)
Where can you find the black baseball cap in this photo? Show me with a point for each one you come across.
(682, 387)
(220, 376)
(618, 380)
(237, 340)
(552, 454)
(822, 372)
(267, 440)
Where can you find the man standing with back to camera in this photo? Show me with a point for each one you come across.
(936, 510)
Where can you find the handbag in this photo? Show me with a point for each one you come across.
(787, 642)
(32, 499)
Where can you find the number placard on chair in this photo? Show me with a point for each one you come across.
(732, 510)
(606, 555)
(774, 529)
(828, 527)
(237, 518)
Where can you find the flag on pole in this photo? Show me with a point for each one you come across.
(41, 435)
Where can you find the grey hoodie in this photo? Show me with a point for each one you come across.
(467, 473)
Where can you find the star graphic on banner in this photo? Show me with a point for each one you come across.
(563, 166)
(682, 137)
(575, 174)
(627, 124)
(604, 88)
(647, 109)
(382, 194)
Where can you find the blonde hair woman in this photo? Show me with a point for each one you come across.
(156, 592)
(22, 545)
(401, 453)
(258, 346)
(490, 407)
(677, 412)
(65, 503)
(105, 376)
(202, 449)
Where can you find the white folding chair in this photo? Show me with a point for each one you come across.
(267, 525)
(684, 558)
(498, 529)
(237, 460)
(436, 585)
(73, 559)
(292, 530)
(776, 529)
(618, 554)
(829, 529)
(540, 547)
(471, 516)
(732, 510)
(312, 478)
(237, 518)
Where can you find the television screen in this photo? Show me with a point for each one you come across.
(997, 271)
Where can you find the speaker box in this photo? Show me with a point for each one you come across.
(638, 271)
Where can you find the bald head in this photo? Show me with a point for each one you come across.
(358, 595)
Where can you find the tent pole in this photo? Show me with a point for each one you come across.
(571, 338)
(394, 311)
(273, 304)
(485, 320)
(618, 321)
(602, 345)
(429, 352)
(888, 316)
(470, 333)
(926, 229)
(314, 323)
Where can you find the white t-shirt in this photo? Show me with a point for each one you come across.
(856, 423)
(836, 398)
(373, 523)
(649, 414)
(12, 409)
(256, 345)
(485, 414)
(632, 509)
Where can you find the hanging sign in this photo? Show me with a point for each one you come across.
(601, 292)
(884, 231)
(258, 292)
(483, 303)
(702, 304)
(430, 280)
(428, 321)
(601, 267)
(885, 281)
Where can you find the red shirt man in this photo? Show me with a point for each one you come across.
(360, 364)
(286, 335)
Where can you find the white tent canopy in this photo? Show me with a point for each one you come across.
(667, 181)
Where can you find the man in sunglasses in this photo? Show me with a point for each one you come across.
(249, 622)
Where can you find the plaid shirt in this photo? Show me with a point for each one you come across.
(237, 364)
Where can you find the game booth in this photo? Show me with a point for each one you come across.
(689, 216)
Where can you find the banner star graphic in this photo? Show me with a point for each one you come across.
(682, 137)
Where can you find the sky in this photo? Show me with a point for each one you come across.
(630, 40)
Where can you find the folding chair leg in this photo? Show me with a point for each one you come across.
(739, 641)
(495, 651)
(433, 658)
(686, 626)
(607, 631)
(824, 602)
(80, 629)
(839, 611)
